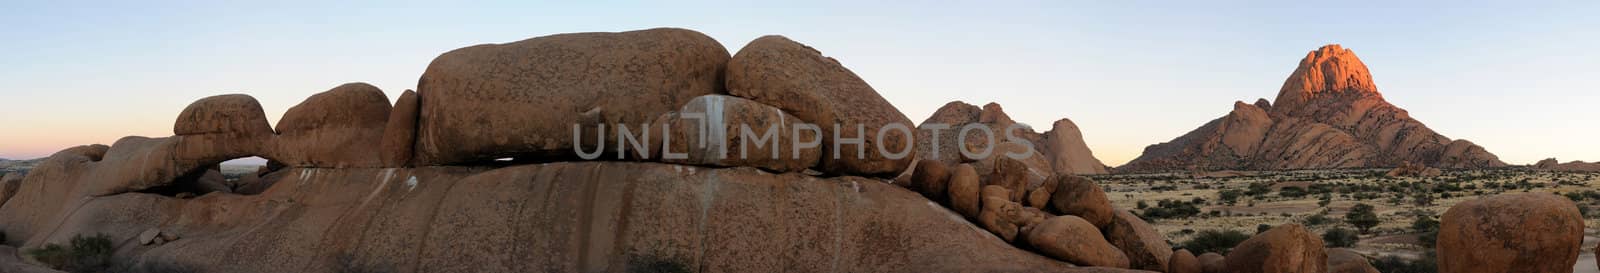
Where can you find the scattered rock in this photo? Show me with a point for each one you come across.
(798, 79)
(1183, 262)
(1145, 247)
(1518, 232)
(1287, 248)
(1076, 241)
(1079, 196)
(522, 99)
(965, 191)
(149, 236)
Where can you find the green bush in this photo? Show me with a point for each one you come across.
(1219, 241)
(1340, 237)
(1363, 216)
(84, 254)
(1392, 264)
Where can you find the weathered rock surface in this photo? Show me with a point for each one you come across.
(965, 191)
(1345, 261)
(719, 130)
(1068, 153)
(932, 179)
(593, 216)
(1079, 196)
(1328, 114)
(1145, 247)
(340, 128)
(1183, 262)
(1213, 263)
(1074, 240)
(794, 77)
(400, 133)
(1287, 248)
(522, 99)
(1518, 232)
(1000, 216)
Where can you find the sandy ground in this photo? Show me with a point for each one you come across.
(1585, 264)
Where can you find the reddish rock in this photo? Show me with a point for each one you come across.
(932, 179)
(1040, 196)
(1328, 114)
(1000, 216)
(1287, 248)
(965, 191)
(1012, 175)
(798, 79)
(400, 132)
(1074, 240)
(522, 99)
(1213, 263)
(1068, 152)
(1145, 247)
(340, 128)
(220, 128)
(726, 131)
(1183, 262)
(1518, 232)
(1079, 196)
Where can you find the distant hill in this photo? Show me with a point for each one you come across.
(1328, 114)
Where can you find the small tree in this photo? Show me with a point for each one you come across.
(1218, 241)
(1363, 217)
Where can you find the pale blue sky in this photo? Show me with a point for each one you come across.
(1517, 77)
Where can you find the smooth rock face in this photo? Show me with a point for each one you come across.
(1328, 114)
(1518, 232)
(1074, 240)
(1183, 262)
(522, 99)
(965, 191)
(400, 133)
(1287, 248)
(340, 128)
(1068, 152)
(528, 218)
(1081, 197)
(794, 77)
(1213, 263)
(1345, 261)
(1145, 247)
(719, 130)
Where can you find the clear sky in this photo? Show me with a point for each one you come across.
(1518, 77)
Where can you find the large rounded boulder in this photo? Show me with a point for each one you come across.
(1521, 232)
(1182, 261)
(1074, 240)
(220, 128)
(1288, 248)
(340, 128)
(1345, 261)
(1144, 245)
(965, 191)
(777, 71)
(1079, 196)
(523, 99)
(400, 133)
(719, 130)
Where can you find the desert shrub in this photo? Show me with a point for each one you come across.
(83, 254)
(1363, 217)
(1211, 240)
(1340, 237)
(1318, 219)
(1259, 189)
(1292, 192)
(1142, 205)
(1230, 196)
(1263, 228)
(1168, 209)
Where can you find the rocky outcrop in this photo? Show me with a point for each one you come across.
(1574, 166)
(719, 130)
(1060, 150)
(1288, 248)
(522, 99)
(853, 118)
(1328, 114)
(340, 128)
(1519, 232)
(1081, 197)
(1183, 262)
(1074, 240)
